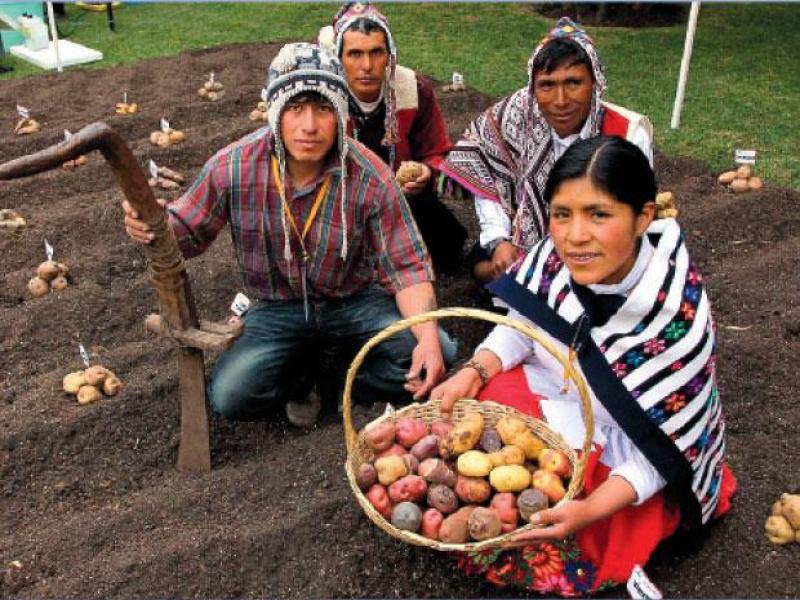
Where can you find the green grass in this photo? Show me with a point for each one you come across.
(742, 90)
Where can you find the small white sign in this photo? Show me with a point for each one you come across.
(67, 135)
(48, 249)
(211, 77)
(124, 97)
(84, 355)
(23, 112)
(240, 304)
(640, 587)
(263, 94)
(164, 125)
(744, 157)
(458, 78)
(153, 169)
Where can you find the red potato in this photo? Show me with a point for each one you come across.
(427, 447)
(379, 498)
(411, 488)
(550, 484)
(435, 470)
(379, 437)
(530, 502)
(472, 490)
(412, 462)
(442, 428)
(490, 440)
(408, 431)
(442, 498)
(455, 528)
(556, 461)
(504, 505)
(393, 450)
(483, 524)
(366, 476)
(431, 522)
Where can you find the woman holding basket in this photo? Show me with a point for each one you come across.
(617, 292)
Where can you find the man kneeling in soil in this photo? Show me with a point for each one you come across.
(325, 242)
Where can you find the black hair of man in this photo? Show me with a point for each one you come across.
(560, 53)
(367, 27)
(612, 164)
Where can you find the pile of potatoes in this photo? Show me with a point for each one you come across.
(459, 482)
(26, 126)
(783, 525)
(89, 385)
(167, 179)
(260, 112)
(11, 219)
(408, 171)
(741, 180)
(211, 91)
(165, 139)
(665, 206)
(123, 108)
(49, 275)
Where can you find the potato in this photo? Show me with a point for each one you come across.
(507, 455)
(550, 484)
(176, 137)
(48, 270)
(509, 478)
(408, 431)
(111, 385)
(530, 502)
(431, 523)
(262, 106)
(727, 177)
(411, 488)
(455, 528)
(38, 287)
(514, 431)
(474, 463)
(407, 516)
(88, 394)
(744, 172)
(472, 490)
(555, 461)
(435, 470)
(59, 283)
(442, 498)
(755, 183)
(412, 462)
(427, 447)
(157, 137)
(379, 498)
(464, 435)
(366, 476)
(483, 524)
(255, 115)
(95, 375)
(380, 436)
(393, 450)
(790, 508)
(504, 505)
(739, 185)
(390, 469)
(442, 428)
(408, 171)
(73, 381)
(490, 440)
(778, 530)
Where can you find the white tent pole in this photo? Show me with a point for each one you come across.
(54, 34)
(687, 57)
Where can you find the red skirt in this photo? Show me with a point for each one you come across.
(599, 556)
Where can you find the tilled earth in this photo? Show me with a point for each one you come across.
(91, 504)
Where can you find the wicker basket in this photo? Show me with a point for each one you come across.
(358, 452)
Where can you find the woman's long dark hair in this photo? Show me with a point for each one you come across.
(612, 164)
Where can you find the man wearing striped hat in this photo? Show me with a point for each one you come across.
(325, 243)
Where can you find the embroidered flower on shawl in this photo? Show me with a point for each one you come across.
(634, 358)
(675, 402)
(557, 584)
(544, 559)
(553, 263)
(581, 575)
(675, 330)
(654, 346)
(620, 369)
(695, 385)
(676, 366)
(691, 453)
(703, 440)
(692, 294)
(561, 296)
(662, 295)
(688, 311)
(694, 276)
(656, 414)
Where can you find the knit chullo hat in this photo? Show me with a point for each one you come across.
(300, 68)
(348, 14)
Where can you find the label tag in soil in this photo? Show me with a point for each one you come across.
(164, 125)
(744, 157)
(640, 587)
(67, 135)
(23, 112)
(211, 77)
(458, 78)
(389, 411)
(240, 304)
(153, 169)
(48, 249)
(84, 355)
(263, 94)
(124, 97)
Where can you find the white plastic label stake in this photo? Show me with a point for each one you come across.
(389, 410)
(211, 77)
(744, 157)
(48, 249)
(164, 125)
(23, 112)
(124, 97)
(240, 304)
(67, 135)
(153, 169)
(640, 587)
(263, 94)
(458, 78)
(84, 355)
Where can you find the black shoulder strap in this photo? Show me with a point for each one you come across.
(662, 453)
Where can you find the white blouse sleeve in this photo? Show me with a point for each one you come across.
(641, 137)
(510, 346)
(630, 464)
(493, 220)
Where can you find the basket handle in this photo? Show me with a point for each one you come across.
(350, 434)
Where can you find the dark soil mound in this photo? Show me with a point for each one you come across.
(91, 504)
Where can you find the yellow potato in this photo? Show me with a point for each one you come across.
(59, 283)
(38, 287)
(464, 435)
(48, 270)
(111, 385)
(790, 508)
(508, 455)
(509, 478)
(390, 469)
(474, 463)
(176, 137)
(739, 185)
(408, 171)
(744, 172)
(727, 177)
(778, 530)
(88, 394)
(755, 183)
(95, 375)
(73, 381)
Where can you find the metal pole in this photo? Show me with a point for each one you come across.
(687, 57)
(54, 34)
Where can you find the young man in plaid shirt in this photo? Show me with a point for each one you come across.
(325, 242)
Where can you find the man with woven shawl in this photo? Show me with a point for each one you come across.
(325, 242)
(508, 151)
(394, 112)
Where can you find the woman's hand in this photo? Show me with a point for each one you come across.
(556, 523)
(466, 383)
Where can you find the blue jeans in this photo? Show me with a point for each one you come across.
(274, 359)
